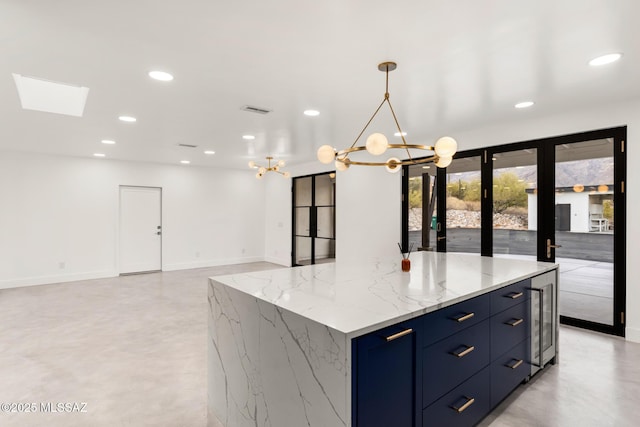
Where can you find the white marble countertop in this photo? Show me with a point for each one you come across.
(359, 298)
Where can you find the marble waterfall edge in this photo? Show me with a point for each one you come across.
(271, 367)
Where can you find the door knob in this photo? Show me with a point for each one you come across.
(549, 246)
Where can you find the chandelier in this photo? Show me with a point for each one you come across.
(275, 168)
(377, 144)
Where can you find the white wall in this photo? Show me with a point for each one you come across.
(368, 214)
(65, 210)
(368, 207)
(579, 210)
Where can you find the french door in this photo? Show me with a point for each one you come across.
(555, 200)
(314, 225)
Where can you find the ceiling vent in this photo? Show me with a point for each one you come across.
(187, 145)
(258, 110)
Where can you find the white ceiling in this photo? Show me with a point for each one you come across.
(461, 64)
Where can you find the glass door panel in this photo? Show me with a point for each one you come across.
(464, 193)
(302, 189)
(303, 221)
(515, 178)
(324, 191)
(303, 250)
(584, 229)
(325, 222)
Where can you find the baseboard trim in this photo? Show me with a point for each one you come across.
(59, 278)
(632, 334)
(210, 263)
(285, 262)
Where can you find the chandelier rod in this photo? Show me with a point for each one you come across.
(368, 123)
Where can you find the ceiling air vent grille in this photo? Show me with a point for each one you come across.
(258, 110)
(187, 145)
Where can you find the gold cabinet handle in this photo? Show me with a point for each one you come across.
(468, 403)
(514, 322)
(399, 334)
(463, 353)
(464, 317)
(514, 295)
(515, 365)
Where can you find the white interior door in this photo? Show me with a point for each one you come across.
(140, 229)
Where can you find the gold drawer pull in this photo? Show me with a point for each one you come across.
(399, 334)
(514, 295)
(465, 317)
(515, 365)
(463, 353)
(468, 403)
(514, 322)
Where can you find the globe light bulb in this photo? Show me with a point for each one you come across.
(393, 165)
(262, 170)
(376, 144)
(326, 154)
(443, 162)
(259, 175)
(287, 175)
(342, 166)
(276, 168)
(281, 163)
(446, 147)
(252, 164)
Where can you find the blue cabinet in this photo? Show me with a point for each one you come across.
(446, 368)
(384, 379)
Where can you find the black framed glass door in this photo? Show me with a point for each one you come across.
(314, 210)
(587, 237)
(557, 199)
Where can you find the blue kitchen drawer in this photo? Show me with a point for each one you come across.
(450, 320)
(443, 369)
(508, 371)
(509, 296)
(508, 328)
(450, 410)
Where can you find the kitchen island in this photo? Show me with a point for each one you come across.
(350, 344)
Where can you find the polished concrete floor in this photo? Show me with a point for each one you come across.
(586, 288)
(133, 349)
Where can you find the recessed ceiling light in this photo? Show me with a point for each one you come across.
(127, 119)
(525, 104)
(311, 113)
(99, 154)
(108, 141)
(248, 137)
(160, 75)
(400, 134)
(605, 59)
(185, 162)
(209, 152)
